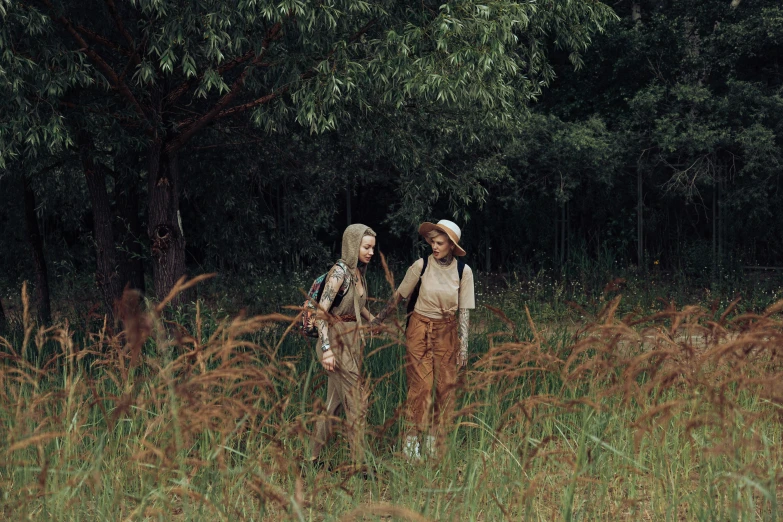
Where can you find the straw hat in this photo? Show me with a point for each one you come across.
(447, 227)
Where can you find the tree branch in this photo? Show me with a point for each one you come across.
(120, 26)
(191, 128)
(99, 38)
(115, 14)
(117, 83)
(249, 105)
(182, 88)
(193, 125)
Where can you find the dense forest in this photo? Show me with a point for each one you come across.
(144, 140)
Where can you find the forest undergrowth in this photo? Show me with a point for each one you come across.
(667, 415)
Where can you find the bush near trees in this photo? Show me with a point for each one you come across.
(153, 138)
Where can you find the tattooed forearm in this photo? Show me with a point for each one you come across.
(331, 287)
(464, 325)
(391, 306)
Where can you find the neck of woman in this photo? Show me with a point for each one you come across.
(445, 261)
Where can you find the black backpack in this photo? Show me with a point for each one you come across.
(415, 294)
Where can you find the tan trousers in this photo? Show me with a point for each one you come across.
(345, 391)
(430, 362)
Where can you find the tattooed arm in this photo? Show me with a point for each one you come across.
(464, 325)
(332, 285)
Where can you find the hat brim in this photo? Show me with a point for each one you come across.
(428, 227)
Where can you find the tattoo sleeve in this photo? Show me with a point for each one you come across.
(464, 325)
(391, 306)
(331, 287)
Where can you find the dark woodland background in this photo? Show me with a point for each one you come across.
(644, 135)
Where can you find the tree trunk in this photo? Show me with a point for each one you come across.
(128, 225)
(2, 317)
(164, 226)
(36, 243)
(106, 275)
(556, 257)
(563, 223)
(636, 12)
(639, 218)
(714, 232)
(488, 244)
(348, 205)
(721, 221)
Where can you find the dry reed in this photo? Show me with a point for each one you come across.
(163, 421)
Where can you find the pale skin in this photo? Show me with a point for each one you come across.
(335, 281)
(443, 252)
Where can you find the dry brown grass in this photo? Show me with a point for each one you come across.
(159, 421)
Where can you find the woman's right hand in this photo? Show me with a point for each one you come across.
(328, 361)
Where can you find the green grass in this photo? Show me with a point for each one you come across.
(567, 418)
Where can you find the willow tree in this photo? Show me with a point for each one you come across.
(166, 70)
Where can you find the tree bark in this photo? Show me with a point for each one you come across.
(556, 257)
(128, 225)
(639, 217)
(106, 275)
(35, 238)
(488, 245)
(714, 232)
(164, 228)
(348, 204)
(2, 317)
(563, 226)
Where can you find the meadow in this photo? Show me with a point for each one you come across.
(619, 401)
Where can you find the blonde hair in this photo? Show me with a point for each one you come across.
(432, 234)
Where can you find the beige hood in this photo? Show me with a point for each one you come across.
(352, 241)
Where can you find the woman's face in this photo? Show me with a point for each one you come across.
(442, 246)
(367, 249)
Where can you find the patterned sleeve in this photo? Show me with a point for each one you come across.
(464, 326)
(332, 285)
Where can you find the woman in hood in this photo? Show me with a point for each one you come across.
(438, 286)
(340, 340)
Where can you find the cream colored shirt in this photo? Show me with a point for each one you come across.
(441, 293)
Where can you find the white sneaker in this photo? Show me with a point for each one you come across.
(411, 448)
(429, 446)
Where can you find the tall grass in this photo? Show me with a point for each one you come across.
(666, 416)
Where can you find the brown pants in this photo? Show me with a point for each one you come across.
(430, 361)
(344, 391)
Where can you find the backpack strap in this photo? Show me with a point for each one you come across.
(415, 293)
(344, 267)
(338, 297)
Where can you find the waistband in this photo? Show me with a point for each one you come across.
(426, 319)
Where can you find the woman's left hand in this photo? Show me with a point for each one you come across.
(462, 359)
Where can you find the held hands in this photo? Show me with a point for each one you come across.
(376, 326)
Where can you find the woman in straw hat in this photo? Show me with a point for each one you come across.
(340, 343)
(436, 341)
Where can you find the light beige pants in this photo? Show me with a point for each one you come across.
(345, 391)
